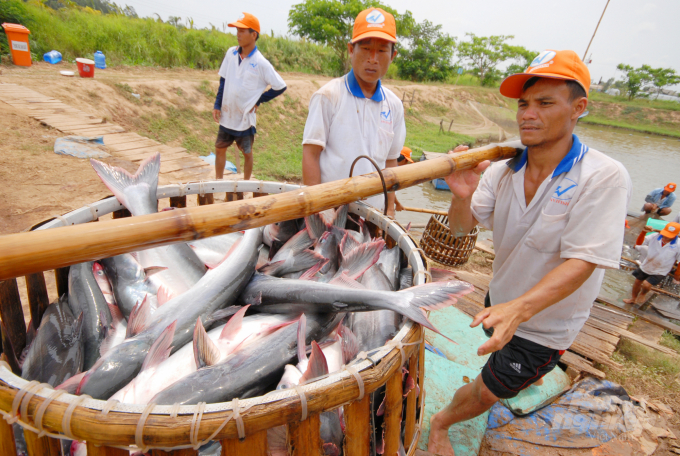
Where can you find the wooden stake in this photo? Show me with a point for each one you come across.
(393, 404)
(425, 211)
(30, 252)
(7, 445)
(37, 297)
(205, 199)
(43, 446)
(252, 445)
(94, 450)
(304, 437)
(12, 315)
(358, 427)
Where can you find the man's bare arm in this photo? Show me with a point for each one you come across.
(463, 184)
(391, 197)
(554, 287)
(311, 170)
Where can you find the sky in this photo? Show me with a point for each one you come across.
(634, 32)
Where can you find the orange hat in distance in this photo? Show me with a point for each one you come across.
(247, 21)
(670, 188)
(406, 153)
(375, 23)
(671, 230)
(549, 64)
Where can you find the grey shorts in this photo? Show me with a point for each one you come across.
(225, 139)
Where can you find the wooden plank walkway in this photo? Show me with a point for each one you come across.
(119, 143)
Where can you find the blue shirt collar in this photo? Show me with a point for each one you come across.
(353, 86)
(249, 55)
(673, 242)
(575, 154)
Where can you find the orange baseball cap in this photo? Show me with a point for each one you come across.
(549, 64)
(375, 23)
(247, 21)
(671, 230)
(670, 188)
(406, 152)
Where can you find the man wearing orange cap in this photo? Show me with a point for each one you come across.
(356, 115)
(244, 77)
(663, 251)
(555, 211)
(660, 200)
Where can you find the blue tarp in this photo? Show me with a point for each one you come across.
(228, 166)
(80, 146)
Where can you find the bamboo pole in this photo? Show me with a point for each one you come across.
(425, 211)
(30, 252)
(252, 445)
(358, 427)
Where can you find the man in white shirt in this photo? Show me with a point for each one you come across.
(663, 251)
(356, 115)
(244, 77)
(557, 213)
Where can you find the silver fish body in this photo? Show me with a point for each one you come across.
(129, 282)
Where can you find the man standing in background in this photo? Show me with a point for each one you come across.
(356, 115)
(244, 77)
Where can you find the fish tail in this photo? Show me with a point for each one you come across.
(118, 180)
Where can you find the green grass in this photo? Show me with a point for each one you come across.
(654, 362)
(670, 340)
(129, 41)
(637, 102)
(422, 136)
(642, 127)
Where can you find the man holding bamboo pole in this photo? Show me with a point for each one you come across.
(556, 213)
(356, 115)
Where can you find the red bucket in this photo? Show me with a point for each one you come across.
(85, 68)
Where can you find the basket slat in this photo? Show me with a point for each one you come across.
(61, 277)
(183, 452)
(252, 445)
(7, 445)
(94, 450)
(37, 296)
(393, 405)
(205, 199)
(178, 201)
(358, 427)
(410, 426)
(12, 315)
(304, 437)
(43, 446)
(440, 245)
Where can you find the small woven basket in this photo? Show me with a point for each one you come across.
(441, 246)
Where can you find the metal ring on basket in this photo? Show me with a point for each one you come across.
(377, 168)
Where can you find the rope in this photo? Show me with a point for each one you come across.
(360, 381)
(17, 400)
(182, 189)
(66, 421)
(63, 220)
(416, 250)
(43, 407)
(93, 212)
(400, 345)
(303, 401)
(139, 432)
(201, 189)
(110, 404)
(239, 420)
(425, 271)
(195, 425)
(174, 411)
(27, 399)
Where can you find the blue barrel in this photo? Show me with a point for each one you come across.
(99, 60)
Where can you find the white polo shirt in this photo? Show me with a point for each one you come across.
(578, 212)
(347, 124)
(243, 86)
(660, 258)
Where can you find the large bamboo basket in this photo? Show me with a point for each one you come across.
(111, 428)
(440, 245)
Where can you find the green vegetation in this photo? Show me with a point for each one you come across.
(642, 128)
(670, 340)
(425, 136)
(637, 102)
(132, 41)
(428, 55)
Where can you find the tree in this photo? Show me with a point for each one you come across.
(484, 54)
(428, 54)
(330, 22)
(662, 77)
(522, 59)
(634, 78)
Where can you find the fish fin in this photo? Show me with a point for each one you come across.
(364, 231)
(221, 314)
(164, 295)
(328, 216)
(151, 270)
(311, 272)
(296, 261)
(206, 352)
(229, 252)
(300, 241)
(356, 262)
(381, 408)
(234, 324)
(344, 281)
(349, 343)
(276, 440)
(301, 338)
(409, 385)
(139, 317)
(8, 350)
(119, 180)
(330, 449)
(116, 314)
(316, 225)
(272, 267)
(317, 365)
(347, 244)
(341, 216)
(70, 385)
(408, 227)
(442, 275)
(160, 350)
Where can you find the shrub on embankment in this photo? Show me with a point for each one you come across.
(134, 41)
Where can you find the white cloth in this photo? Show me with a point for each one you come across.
(580, 213)
(243, 86)
(660, 258)
(347, 125)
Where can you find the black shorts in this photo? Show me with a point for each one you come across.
(652, 279)
(517, 365)
(225, 139)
